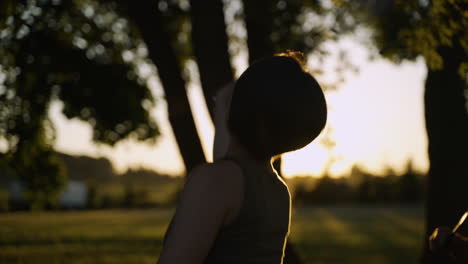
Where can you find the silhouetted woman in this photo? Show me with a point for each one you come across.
(237, 209)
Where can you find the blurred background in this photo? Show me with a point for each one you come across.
(106, 105)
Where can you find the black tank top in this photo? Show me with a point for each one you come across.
(259, 233)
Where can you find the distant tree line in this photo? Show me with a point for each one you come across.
(133, 195)
(106, 188)
(135, 188)
(360, 187)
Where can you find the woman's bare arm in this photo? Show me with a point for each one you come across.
(210, 196)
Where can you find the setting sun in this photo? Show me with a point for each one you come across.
(144, 131)
(375, 121)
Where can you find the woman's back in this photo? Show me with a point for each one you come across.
(259, 232)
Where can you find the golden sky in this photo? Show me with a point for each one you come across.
(376, 117)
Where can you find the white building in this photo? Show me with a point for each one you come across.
(73, 196)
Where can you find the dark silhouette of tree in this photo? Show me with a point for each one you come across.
(435, 30)
(258, 17)
(360, 187)
(87, 169)
(210, 47)
(410, 187)
(385, 186)
(147, 17)
(366, 192)
(60, 50)
(329, 190)
(447, 130)
(87, 55)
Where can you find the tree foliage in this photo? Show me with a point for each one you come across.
(360, 187)
(81, 53)
(275, 26)
(406, 29)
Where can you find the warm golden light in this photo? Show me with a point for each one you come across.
(376, 120)
(306, 161)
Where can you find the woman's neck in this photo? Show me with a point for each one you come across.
(237, 150)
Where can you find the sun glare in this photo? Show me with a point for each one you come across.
(309, 160)
(376, 121)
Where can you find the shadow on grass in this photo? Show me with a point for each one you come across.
(357, 235)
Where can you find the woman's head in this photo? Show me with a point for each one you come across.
(276, 107)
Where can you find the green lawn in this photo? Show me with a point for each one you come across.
(322, 234)
(345, 235)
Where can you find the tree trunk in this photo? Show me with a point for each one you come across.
(447, 131)
(210, 47)
(259, 23)
(147, 17)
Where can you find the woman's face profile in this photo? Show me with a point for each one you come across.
(221, 112)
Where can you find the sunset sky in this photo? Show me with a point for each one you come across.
(376, 118)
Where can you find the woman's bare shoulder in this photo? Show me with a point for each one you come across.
(207, 202)
(222, 179)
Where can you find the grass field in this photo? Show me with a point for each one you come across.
(335, 235)
(322, 234)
